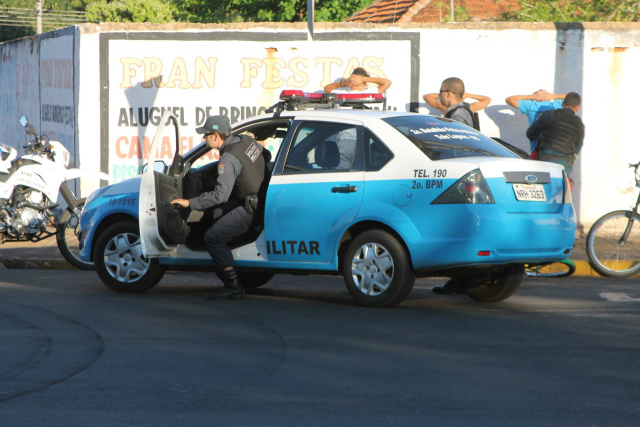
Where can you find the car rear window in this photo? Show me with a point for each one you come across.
(441, 138)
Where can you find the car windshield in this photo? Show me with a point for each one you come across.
(441, 138)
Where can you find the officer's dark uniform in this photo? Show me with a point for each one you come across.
(240, 173)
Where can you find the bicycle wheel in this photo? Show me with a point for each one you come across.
(563, 268)
(607, 253)
(67, 237)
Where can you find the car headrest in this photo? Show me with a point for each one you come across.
(327, 155)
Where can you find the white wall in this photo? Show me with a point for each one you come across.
(235, 68)
(19, 89)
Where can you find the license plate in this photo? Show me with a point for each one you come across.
(530, 192)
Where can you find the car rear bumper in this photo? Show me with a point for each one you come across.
(485, 234)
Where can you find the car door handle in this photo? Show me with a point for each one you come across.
(345, 189)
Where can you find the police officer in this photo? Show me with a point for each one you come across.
(561, 133)
(240, 173)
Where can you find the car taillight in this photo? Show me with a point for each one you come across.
(567, 188)
(471, 188)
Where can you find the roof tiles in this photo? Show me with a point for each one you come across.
(392, 11)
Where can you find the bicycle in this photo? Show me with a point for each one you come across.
(613, 242)
(563, 268)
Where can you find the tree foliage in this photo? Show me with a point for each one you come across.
(157, 11)
(15, 32)
(266, 10)
(576, 11)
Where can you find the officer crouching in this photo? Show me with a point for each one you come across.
(240, 173)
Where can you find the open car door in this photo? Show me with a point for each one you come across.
(162, 227)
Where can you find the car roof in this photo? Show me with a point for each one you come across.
(363, 115)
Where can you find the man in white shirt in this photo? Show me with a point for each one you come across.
(359, 82)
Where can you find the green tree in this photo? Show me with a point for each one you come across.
(576, 11)
(157, 11)
(16, 32)
(266, 10)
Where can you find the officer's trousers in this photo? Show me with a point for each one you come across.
(228, 227)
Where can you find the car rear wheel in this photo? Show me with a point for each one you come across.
(254, 280)
(377, 270)
(120, 263)
(499, 285)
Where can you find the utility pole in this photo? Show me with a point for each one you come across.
(38, 16)
(311, 9)
(451, 10)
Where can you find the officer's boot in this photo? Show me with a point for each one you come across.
(232, 288)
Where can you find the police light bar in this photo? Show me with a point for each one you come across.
(360, 97)
(299, 98)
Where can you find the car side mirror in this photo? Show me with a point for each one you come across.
(160, 166)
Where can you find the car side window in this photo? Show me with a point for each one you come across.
(376, 153)
(322, 147)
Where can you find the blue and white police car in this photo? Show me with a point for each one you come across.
(380, 197)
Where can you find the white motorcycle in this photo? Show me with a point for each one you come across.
(29, 190)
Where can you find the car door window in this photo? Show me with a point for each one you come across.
(322, 147)
(376, 153)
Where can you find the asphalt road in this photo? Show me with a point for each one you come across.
(563, 352)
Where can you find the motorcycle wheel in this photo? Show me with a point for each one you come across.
(67, 237)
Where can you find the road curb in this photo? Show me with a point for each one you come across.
(35, 264)
(583, 268)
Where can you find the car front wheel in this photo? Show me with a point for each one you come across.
(120, 263)
(377, 270)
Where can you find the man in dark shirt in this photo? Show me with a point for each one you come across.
(240, 173)
(561, 133)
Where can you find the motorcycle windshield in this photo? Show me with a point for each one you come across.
(5, 151)
(7, 154)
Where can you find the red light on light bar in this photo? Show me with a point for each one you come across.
(289, 93)
(294, 94)
(484, 253)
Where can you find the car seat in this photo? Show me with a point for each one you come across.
(327, 155)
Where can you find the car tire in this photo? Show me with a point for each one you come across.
(254, 280)
(377, 270)
(120, 263)
(500, 286)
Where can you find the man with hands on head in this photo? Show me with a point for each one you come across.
(240, 174)
(450, 101)
(359, 82)
(533, 106)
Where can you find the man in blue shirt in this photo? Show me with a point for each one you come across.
(533, 105)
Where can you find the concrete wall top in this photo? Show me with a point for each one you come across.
(332, 26)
